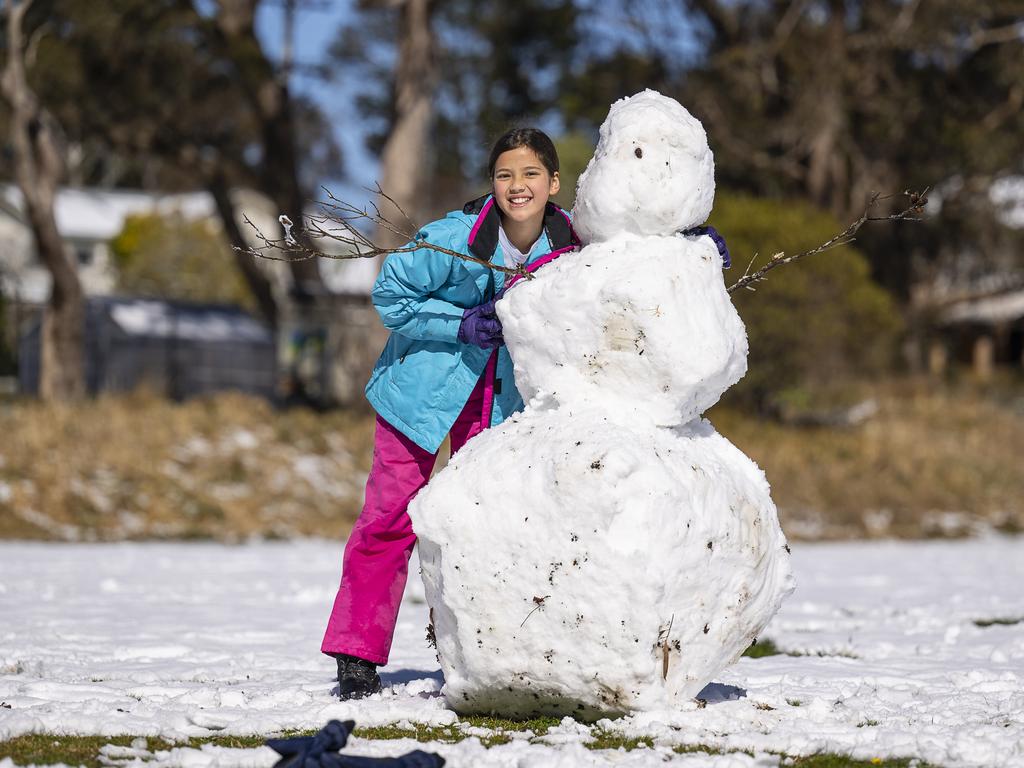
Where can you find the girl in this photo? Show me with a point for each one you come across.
(444, 370)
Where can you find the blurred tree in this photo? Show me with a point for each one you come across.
(170, 94)
(177, 258)
(266, 91)
(39, 162)
(834, 99)
(822, 324)
(411, 110)
(502, 65)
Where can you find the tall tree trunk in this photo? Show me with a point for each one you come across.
(39, 166)
(402, 161)
(267, 91)
(256, 280)
(826, 173)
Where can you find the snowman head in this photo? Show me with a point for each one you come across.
(652, 173)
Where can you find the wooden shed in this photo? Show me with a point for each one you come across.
(985, 333)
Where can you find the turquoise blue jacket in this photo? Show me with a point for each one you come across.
(425, 375)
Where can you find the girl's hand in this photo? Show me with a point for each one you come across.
(481, 327)
(718, 240)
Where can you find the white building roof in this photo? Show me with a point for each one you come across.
(992, 309)
(1007, 194)
(99, 214)
(160, 319)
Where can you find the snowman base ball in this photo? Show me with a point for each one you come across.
(637, 562)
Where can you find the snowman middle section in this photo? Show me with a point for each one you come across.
(643, 323)
(604, 551)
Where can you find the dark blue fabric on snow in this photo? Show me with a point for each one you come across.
(321, 751)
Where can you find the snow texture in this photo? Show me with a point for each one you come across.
(160, 319)
(627, 552)
(652, 172)
(614, 570)
(99, 214)
(903, 650)
(640, 326)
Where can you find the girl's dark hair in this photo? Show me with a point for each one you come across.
(533, 138)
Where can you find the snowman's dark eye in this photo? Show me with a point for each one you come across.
(638, 152)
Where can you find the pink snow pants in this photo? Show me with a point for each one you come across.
(376, 562)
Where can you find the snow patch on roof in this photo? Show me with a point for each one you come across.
(993, 309)
(1007, 194)
(160, 319)
(95, 214)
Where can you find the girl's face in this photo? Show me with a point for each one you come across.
(522, 185)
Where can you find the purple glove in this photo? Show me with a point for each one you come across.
(718, 240)
(480, 326)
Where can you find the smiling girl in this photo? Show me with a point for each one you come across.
(444, 371)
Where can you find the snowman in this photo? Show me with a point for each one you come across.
(606, 551)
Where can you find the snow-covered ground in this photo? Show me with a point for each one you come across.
(910, 649)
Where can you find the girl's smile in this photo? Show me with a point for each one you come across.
(522, 187)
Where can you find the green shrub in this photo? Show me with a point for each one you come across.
(177, 258)
(574, 152)
(818, 324)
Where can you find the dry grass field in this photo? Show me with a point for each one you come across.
(227, 468)
(928, 463)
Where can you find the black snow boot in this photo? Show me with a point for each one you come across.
(356, 677)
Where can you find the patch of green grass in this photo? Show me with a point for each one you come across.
(539, 725)
(44, 749)
(686, 749)
(983, 623)
(761, 648)
(446, 734)
(831, 760)
(47, 749)
(606, 740)
(826, 654)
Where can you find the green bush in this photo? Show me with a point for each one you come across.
(817, 325)
(574, 152)
(177, 258)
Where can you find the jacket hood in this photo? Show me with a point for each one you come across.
(483, 238)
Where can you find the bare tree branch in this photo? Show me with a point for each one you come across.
(340, 222)
(912, 212)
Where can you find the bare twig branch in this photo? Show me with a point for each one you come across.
(915, 206)
(340, 222)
